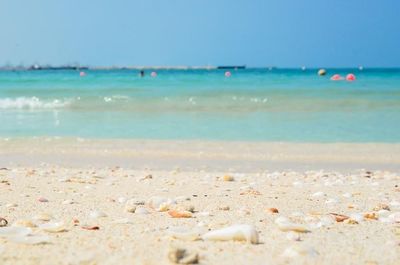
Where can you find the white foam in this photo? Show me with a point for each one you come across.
(32, 103)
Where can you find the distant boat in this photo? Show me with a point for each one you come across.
(235, 67)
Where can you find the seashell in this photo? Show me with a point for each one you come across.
(130, 208)
(318, 194)
(293, 227)
(182, 256)
(203, 213)
(250, 192)
(141, 210)
(42, 217)
(90, 227)
(14, 231)
(293, 236)
(3, 222)
(160, 204)
(180, 214)
(184, 233)
(347, 195)
(285, 225)
(23, 223)
(68, 202)
(339, 217)
(273, 210)
(381, 206)
(350, 221)
(41, 199)
(228, 178)
(246, 233)
(97, 214)
(372, 216)
(55, 227)
(383, 213)
(11, 205)
(30, 240)
(224, 208)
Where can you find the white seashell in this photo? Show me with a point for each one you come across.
(383, 213)
(318, 194)
(161, 204)
(55, 227)
(11, 205)
(236, 232)
(67, 202)
(97, 214)
(285, 225)
(293, 236)
(184, 233)
(203, 214)
(141, 210)
(12, 231)
(30, 240)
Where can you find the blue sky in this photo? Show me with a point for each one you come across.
(283, 33)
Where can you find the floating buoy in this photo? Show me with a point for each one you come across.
(336, 77)
(153, 74)
(321, 72)
(82, 73)
(350, 77)
(228, 74)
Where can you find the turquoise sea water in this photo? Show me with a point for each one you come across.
(253, 104)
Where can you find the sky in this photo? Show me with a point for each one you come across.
(282, 33)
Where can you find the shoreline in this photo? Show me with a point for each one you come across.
(196, 154)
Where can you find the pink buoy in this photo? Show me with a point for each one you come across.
(228, 74)
(350, 77)
(336, 77)
(153, 74)
(82, 73)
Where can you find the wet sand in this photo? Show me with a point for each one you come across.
(92, 183)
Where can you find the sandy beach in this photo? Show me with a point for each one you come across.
(79, 201)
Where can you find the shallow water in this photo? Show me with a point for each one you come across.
(251, 105)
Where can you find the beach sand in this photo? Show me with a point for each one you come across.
(92, 183)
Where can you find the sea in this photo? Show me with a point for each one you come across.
(260, 104)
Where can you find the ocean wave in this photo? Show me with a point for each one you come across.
(32, 103)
